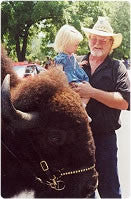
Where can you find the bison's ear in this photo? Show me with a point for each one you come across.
(56, 137)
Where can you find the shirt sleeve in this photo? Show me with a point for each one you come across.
(123, 83)
(60, 59)
(85, 77)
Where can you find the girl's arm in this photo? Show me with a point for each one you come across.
(60, 66)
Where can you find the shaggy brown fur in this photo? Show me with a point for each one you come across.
(63, 139)
(6, 68)
(48, 86)
(50, 89)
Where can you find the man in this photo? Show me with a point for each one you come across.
(108, 91)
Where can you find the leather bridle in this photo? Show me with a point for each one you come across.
(52, 180)
(56, 182)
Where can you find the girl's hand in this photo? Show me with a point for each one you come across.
(59, 66)
(83, 63)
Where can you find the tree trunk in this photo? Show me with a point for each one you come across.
(21, 51)
(18, 48)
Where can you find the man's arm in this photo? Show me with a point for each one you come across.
(111, 99)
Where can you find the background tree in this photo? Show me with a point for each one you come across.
(119, 15)
(18, 22)
(22, 21)
(18, 18)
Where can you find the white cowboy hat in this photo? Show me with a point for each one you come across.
(103, 28)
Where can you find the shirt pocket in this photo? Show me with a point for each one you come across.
(105, 83)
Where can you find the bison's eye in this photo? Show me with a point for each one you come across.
(56, 137)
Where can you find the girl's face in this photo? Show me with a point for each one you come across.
(72, 48)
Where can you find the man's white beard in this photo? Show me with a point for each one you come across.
(97, 53)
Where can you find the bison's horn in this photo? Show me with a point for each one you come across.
(16, 118)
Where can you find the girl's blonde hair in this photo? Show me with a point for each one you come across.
(65, 37)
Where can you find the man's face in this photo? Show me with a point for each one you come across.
(100, 45)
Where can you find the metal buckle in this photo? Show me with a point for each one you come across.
(44, 165)
(56, 184)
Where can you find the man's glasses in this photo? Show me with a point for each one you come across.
(101, 41)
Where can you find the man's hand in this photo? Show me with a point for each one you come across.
(84, 89)
(110, 99)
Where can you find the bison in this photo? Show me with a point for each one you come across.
(47, 144)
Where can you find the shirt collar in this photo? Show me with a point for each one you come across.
(66, 55)
(103, 64)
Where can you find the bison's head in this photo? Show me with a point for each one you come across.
(50, 124)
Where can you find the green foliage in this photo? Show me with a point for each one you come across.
(23, 20)
(120, 19)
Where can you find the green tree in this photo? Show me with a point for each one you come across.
(23, 20)
(120, 20)
(119, 15)
(16, 22)
(18, 18)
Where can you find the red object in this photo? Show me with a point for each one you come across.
(22, 63)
